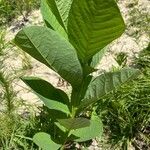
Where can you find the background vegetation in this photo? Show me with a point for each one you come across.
(9, 9)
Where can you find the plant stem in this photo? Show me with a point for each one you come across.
(63, 146)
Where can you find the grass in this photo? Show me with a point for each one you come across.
(12, 123)
(126, 112)
(9, 9)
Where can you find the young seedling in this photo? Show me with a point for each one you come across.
(71, 45)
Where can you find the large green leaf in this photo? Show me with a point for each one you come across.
(93, 24)
(48, 47)
(74, 123)
(50, 19)
(105, 83)
(43, 140)
(52, 104)
(52, 97)
(94, 130)
(45, 89)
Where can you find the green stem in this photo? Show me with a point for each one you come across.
(75, 101)
(63, 146)
(76, 97)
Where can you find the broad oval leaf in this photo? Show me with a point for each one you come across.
(52, 104)
(105, 83)
(74, 123)
(52, 97)
(53, 50)
(94, 130)
(43, 140)
(93, 24)
(45, 89)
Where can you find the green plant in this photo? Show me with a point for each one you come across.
(11, 123)
(71, 44)
(7, 98)
(7, 93)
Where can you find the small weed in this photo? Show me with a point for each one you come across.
(11, 123)
(121, 59)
